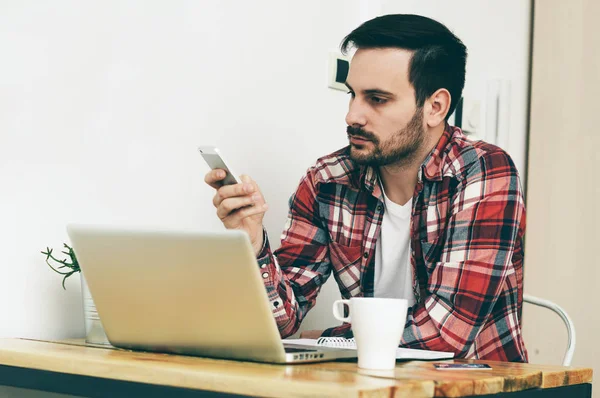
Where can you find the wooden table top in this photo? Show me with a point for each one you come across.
(411, 378)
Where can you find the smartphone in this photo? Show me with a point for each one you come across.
(461, 366)
(214, 159)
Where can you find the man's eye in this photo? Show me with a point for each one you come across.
(378, 100)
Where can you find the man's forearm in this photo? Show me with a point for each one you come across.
(279, 291)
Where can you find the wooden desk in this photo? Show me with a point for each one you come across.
(71, 367)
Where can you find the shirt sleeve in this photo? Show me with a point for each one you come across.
(483, 227)
(295, 272)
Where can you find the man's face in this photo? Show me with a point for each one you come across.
(384, 124)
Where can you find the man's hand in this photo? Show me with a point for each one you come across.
(311, 334)
(240, 206)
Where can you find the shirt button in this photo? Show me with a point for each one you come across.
(275, 304)
(263, 266)
(265, 275)
(379, 208)
(366, 255)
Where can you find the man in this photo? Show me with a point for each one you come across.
(410, 209)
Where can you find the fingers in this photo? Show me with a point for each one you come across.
(247, 180)
(238, 201)
(214, 178)
(232, 191)
(234, 219)
(230, 205)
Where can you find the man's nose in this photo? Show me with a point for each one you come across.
(355, 115)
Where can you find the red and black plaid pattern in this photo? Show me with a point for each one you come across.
(468, 222)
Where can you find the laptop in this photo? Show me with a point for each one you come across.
(184, 292)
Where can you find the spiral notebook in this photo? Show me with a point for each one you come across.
(401, 353)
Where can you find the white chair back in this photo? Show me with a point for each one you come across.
(566, 319)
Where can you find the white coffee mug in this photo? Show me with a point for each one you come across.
(377, 324)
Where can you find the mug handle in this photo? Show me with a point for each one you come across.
(336, 310)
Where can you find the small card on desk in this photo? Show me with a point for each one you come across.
(461, 366)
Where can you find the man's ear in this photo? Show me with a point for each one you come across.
(437, 107)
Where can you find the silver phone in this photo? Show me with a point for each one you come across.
(214, 159)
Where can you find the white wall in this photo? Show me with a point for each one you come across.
(103, 103)
(102, 106)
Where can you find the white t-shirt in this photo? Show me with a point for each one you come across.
(393, 272)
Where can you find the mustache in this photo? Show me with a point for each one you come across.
(359, 132)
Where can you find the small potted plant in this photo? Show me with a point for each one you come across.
(65, 268)
(94, 332)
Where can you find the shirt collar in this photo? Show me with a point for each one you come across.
(433, 164)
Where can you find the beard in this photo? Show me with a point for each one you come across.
(400, 149)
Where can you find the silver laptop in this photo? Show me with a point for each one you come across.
(184, 292)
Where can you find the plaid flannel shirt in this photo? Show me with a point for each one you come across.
(467, 227)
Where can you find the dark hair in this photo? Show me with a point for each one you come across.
(439, 57)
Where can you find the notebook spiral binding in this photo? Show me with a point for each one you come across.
(339, 342)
